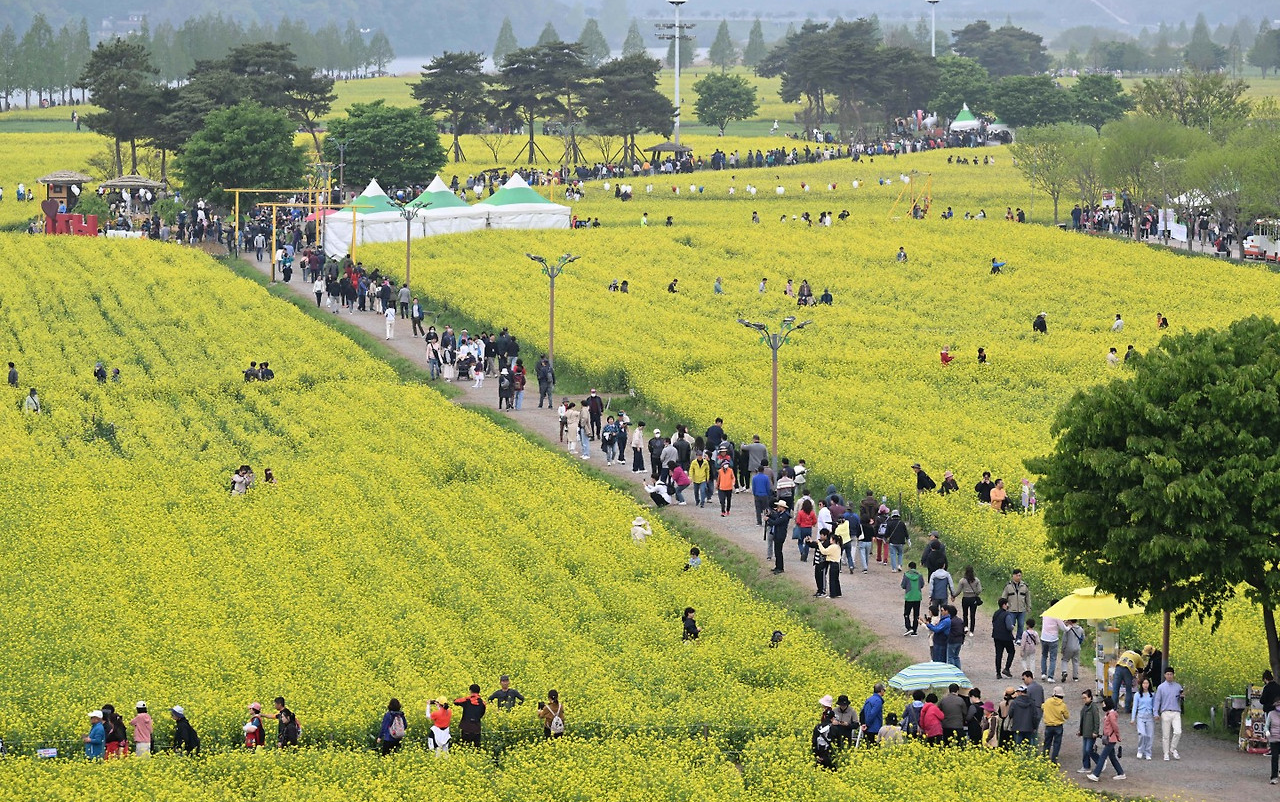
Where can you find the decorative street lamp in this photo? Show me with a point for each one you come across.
(677, 34)
(933, 28)
(775, 342)
(551, 271)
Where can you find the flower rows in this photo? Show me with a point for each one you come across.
(863, 393)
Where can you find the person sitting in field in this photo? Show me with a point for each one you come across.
(826, 297)
(946, 356)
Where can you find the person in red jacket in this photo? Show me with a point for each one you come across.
(931, 720)
(946, 356)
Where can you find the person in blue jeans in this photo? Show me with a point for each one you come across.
(955, 637)
(762, 492)
(1090, 729)
(1110, 743)
(941, 630)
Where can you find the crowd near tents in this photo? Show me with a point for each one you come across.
(375, 218)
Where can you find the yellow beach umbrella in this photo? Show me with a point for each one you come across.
(1088, 604)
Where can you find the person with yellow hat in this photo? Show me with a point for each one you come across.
(1127, 667)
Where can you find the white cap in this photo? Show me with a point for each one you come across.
(178, 709)
(826, 701)
(140, 706)
(95, 714)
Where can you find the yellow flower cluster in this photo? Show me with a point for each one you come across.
(638, 769)
(409, 549)
(863, 393)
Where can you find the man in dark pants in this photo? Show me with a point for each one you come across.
(472, 709)
(546, 379)
(762, 492)
(779, 528)
(1002, 626)
(595, 407)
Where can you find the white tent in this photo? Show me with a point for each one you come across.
(517, 205)
(377, 219)
(965, 121)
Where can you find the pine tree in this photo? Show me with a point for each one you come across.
(687, 46)
(723, 54)
(595, 48)
(506, 42)
(755, 49)
(548, 35)
(634, 45)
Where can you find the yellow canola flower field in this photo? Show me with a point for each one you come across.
(409, 549)
(863, 393)
(638, 769)
(24, 157)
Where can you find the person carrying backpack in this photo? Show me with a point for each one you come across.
(1072, 640)
(551, 712)
(911, 715)
(393, 728)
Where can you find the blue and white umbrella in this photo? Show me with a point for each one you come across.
(928, 676)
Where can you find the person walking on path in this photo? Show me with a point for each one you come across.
(941, 588)
(1002, 633)
(1143, 715)
(724, 483)
(1110, 743)
(912, 585)
(970, 591)
(393, 728)
(390, 314)
(1019, 597)
(955, 639)
(934, 555)
(761, 492)
(1029, 645)
(1055, 714)
(779, 528)
(830, 549)
(1072, 639)
(1168, 708)
(546, 381)
(1050, 632)
(895, 535)
(941, 630)
(1025, 715)
(1273, 742)
(1089, 731)
(318, 287)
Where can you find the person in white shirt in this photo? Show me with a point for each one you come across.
(1118, 325)
(390, 316)
(1113, 358)
(1050, 628)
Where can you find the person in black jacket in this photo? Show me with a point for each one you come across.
(779, 524)
(546, 380)
(1039, 324)
(934, 555)
(924, 483)
(655, 444)
(184, 735)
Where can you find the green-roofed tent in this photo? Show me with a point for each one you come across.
(377, 219)
(965, 121)
(517, 205)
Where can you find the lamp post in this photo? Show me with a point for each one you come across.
(409, 213)
(551, 271)
(342, 163)
(677, 34)
(933, 28)
(775, 342)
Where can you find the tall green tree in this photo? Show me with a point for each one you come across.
(595, 48)
(960, 81)
(1023, 100)
(397, 146)
(688, 46)
(453, 84)
(1146, 155)
(36, 45)
(1046, 157)
(527, 89)
(506, 42)
(756, 48)
(1164, 488)
(634, 43)
(247, 145)
(9, 78)
(1003, 51)
(121, 80)
(724, 98)
(1265, 53)
(548, 34)
(1211, 101)
(380, 52)
(723, 54)
(624, 100)
(1097, 99)
(1202, 53)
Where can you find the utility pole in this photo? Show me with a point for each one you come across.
(677, 34)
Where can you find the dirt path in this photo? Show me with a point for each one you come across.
(1210, 769)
